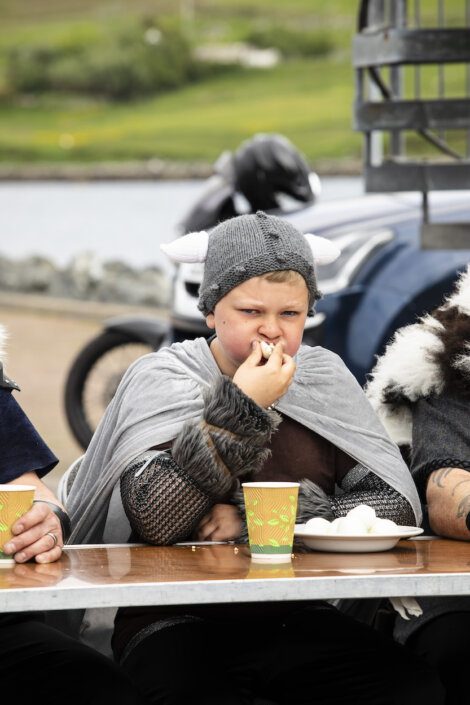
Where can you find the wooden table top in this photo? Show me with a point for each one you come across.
(116, 575)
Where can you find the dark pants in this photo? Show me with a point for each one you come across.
(445, 643)
(315, 657)
(43, 665)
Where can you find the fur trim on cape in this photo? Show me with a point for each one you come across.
(423, 359)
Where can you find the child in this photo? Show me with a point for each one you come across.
(227, 414)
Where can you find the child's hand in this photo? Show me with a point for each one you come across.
(265, 383)
(222, 523)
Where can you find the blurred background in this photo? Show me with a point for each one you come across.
(134, 81)
(112, 115)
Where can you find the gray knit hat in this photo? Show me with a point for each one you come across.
(248, 246)
(251, 245)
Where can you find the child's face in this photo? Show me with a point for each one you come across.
(258, 309)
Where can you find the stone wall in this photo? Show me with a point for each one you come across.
(86, 277)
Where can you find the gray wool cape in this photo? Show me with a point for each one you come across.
(163, 390)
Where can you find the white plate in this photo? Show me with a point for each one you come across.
(354, 544)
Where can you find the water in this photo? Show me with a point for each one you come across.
(115, 220)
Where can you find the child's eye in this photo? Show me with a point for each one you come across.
(290, 314)
(249, 311)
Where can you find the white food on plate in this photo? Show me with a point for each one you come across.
(383, 526)
(360, 521)
(364, 514)
(334, 525)
(349, 526)
(266, 349)
(318, 525)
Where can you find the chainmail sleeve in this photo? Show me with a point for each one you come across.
(372, 490)
(162, 502)
(165, 496)
(360, 486)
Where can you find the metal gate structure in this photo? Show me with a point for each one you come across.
(412, 67)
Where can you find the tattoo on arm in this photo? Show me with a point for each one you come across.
(462, 482)
(439, 476)
(438, 479)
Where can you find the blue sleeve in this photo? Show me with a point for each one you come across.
(21, 447)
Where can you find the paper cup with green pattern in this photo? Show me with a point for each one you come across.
(271, 508)
(15, 500)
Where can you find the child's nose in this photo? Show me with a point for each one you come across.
(270, 327)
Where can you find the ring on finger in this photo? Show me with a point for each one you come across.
(53, 537)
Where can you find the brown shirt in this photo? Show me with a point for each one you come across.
(296, 453)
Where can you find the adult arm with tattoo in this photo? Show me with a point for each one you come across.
(440, 462)
(448, 498)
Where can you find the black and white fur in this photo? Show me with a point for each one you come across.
(423, 359)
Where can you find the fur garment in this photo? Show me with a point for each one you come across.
(423, 359)
(229, 440)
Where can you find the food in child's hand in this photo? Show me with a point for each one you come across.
(360, 521)
(266, 349)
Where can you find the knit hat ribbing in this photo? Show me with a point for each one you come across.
(251, 245)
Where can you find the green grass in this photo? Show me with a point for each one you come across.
(310, 105)
(309, 101)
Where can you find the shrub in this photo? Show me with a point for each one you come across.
(141, 60)
(28, 69)
(292, 42)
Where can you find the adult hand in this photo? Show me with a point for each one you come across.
(34, 536)
(222, 523)
(265, 383)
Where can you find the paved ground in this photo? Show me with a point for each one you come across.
(45, 336)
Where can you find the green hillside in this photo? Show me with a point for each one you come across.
(307, 98)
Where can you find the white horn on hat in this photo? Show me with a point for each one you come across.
(324, 251)
(187, 248)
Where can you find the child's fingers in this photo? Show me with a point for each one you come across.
(205, 530)
(287, 360)
(288, 366)
(276, 356)
(255, 356)
(278, 349)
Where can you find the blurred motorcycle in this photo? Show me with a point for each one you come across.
(266, 173)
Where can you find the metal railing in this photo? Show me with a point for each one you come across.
(412, 66)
